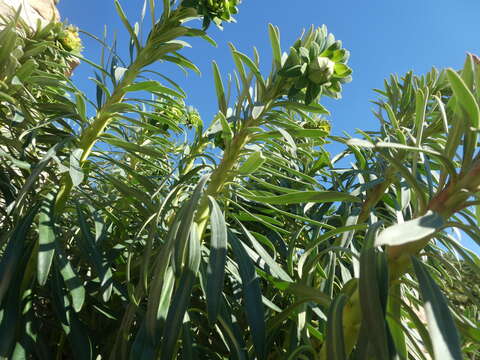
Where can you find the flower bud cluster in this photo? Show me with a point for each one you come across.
(176, 111)
(214, 10)
(70, 39)
(316, 65)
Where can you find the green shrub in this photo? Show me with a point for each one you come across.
(131, 229)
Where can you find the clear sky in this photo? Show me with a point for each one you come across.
(383, 37)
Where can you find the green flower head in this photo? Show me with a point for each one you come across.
(214, 10)
(70, 39)
(316, 65)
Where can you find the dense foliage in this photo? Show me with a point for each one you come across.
(131, 229)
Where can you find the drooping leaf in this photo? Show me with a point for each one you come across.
(71, 280)
(46, 238)
(252, 294)
(334, 341)
(410, 231)
(95, 257)
(76, 173)
(78, 338)
(186, 223)
(394, 317)
(217, 260)
(14, 250)
(372, 289)
(181, 298)
(442, 329)
(253, 162)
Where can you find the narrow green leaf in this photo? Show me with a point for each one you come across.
(167, 291)
(188, 348)
(76, 172)
(127, 25)
(142, 348)
(217, 260)
(468, 72)
(10, 306)
(254, 162)
(257, 111)
(238, 64)
(71, 280)
(179, 232)
(252, 295)
(275, 269)
(442, 329)
(465, 98)
(233, 333)
(181, 299)
(14, 250)
(394, 321)
(302, 197)
(309, 133)
(226, 129)
(157, 288)
(93, 255)
(153, 86)
(275, 43)
(186, 224)
(253, 67)
(222, 101)
(134, 148)
(299, 107)
(46, 238)
(181, 61)
(477, 213)
(20, 164)
(168, 34)
(76, 333)
(372, 289)
(334, 341)
(411, 230)
(421, 100)
(304, 291)
(37, 170)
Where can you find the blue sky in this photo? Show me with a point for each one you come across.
(384, 37)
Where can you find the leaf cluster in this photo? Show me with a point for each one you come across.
(131, 228)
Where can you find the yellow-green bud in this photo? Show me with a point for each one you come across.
(71, 40)
(320, 70)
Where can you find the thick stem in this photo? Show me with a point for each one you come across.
(95, 130)
(221, 174)
(105, 115)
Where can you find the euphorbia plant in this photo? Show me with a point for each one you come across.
(132, 228)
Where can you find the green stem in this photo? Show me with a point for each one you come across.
(105, 115)
(94, 131)
(221, 174)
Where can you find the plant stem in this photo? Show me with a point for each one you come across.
(94, 131)
(221, 174)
